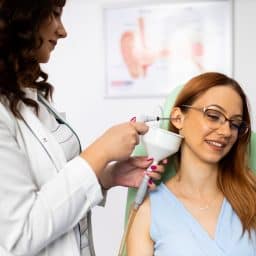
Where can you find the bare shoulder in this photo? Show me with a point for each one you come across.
(144, 209)
(142, 216)
(138, 240)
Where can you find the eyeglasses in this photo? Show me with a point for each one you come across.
(214, 119)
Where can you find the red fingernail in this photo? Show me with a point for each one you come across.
(133, 119)
(150, 182)
(153, 167)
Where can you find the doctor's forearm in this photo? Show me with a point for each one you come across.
(96, 158)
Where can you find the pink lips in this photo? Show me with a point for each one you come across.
(216, 145)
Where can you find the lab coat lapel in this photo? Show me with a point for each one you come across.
(46, 139)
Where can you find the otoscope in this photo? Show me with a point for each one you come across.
(147, 118)
(159, 144)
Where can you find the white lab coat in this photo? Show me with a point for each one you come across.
(42, 196)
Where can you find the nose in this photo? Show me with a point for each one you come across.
(225, 129)
(62, 33)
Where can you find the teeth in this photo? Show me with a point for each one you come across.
(217, 144)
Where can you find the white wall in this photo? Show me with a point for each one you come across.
(77, 72)
(245, 49)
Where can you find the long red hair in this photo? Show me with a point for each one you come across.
(235, 179)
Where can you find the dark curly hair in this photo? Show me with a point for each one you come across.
(19, 26)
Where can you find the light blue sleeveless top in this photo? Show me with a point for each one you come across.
(176, 232)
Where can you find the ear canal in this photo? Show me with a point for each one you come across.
(178, 118)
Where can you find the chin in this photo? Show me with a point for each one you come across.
(43, 57)
(44, 60)
(211, 159)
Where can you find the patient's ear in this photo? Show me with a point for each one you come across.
(177, 118)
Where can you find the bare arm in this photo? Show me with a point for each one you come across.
(139, 242)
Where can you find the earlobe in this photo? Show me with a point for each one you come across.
(177, 118)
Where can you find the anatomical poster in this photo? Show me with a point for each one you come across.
(152, 48)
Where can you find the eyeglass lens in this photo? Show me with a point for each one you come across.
(215, 119)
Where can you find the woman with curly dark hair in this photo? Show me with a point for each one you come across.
(48, 184)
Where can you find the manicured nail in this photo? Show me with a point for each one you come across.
(150, 158)
(153, 167)
(150, 181)
(133, 119)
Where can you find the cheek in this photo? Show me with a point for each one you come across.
(232, 142)
(195, 134)
(195, 128)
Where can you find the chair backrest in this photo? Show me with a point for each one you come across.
(169, 168)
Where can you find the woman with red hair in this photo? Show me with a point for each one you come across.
(208, 207)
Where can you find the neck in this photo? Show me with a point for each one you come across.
(198, 178)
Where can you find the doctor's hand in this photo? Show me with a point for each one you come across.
(116, 144)
(129, 173)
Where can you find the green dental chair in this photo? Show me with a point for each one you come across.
(169, 169)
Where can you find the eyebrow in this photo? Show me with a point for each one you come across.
(223, 110)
